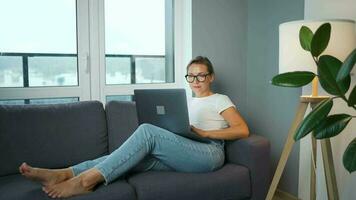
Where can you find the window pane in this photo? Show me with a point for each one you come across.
(11, 74)
(135, 27)
(118, 70)
(54, 100)
(12, 102)
(147, 32)
(35, 29)
(52, 71)
(119, 98)
(39, 101)
(150, 70)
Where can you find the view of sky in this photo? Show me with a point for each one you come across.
(38, 26)
(135, 27)
(43, 26)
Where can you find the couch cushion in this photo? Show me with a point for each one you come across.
(122, 122)
(16, 187)
(51, 136)
(229, 182)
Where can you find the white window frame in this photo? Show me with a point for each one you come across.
(91, 58)
(182, 52)
(82, 89)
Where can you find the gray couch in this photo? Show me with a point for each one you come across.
(56, 136)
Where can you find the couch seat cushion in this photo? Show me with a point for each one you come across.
(16, 187)
(229, 182)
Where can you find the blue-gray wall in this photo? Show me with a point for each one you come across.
(241, 38)
(219, 32)
(271, 109)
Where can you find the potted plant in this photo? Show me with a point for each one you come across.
(334, 77)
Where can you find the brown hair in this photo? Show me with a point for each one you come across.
(204, 61)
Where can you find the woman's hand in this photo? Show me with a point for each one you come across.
(200, 132)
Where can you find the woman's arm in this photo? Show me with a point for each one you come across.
(237, 127)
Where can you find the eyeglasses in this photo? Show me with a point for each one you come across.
(200, 77)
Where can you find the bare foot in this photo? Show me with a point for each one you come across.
(46, 177)
(71, 187)
(81, 184)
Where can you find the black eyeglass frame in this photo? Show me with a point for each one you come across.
(196, 77)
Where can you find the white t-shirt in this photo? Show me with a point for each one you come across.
(205, 112)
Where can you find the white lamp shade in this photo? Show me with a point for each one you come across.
(292, 57)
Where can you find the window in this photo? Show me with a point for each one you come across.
(53, 100)
(39, 52)
(38, 44)
(52, 69)
(68, 50)
(39, 101)
(11, 71)
(119, 98)
(139, 45)
(12, 102)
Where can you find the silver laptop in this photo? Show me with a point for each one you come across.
(165, 108)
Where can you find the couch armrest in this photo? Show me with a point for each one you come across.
(254, 153)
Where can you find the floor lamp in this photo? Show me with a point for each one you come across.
(293, 58)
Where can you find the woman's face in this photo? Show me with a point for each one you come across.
(200, 88)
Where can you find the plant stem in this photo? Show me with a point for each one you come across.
(316, 61)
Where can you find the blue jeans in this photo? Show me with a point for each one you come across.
(154, 148)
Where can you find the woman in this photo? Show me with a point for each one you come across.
(212, 116)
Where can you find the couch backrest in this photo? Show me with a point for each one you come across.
(122, 122)
(51, 136)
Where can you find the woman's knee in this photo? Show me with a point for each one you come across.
(145, 129)
(150, 131)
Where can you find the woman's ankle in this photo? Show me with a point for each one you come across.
(67, 173)
(91, 178)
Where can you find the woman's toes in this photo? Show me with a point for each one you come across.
(48, 190)
(22, 168)
(25, 167)
(44, 189)
(52, 194)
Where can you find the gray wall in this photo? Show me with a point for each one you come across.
(241, 38)
(219, 32)
(271, 109)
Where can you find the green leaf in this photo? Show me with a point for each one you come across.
(331, 126)
(313, 118)
(320, 39)
(347, 66)
(305, 38)
(349, 158)
(293, 79)
(352, 97)
(328, 67)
